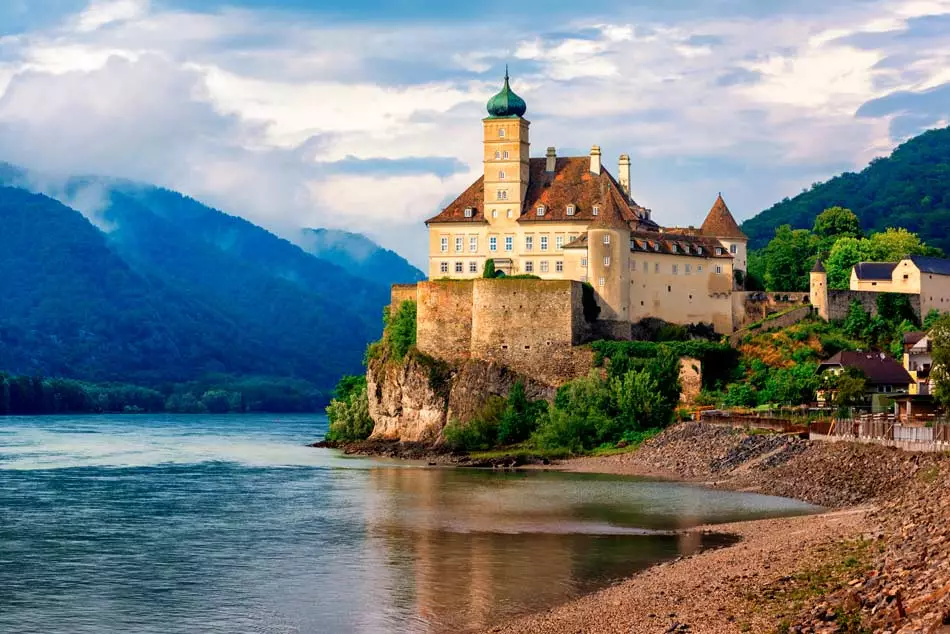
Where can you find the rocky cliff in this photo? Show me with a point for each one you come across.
(412, 400)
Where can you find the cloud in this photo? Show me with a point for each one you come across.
(352, 117)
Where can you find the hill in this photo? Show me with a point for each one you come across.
(175, 291)
(910, 189)
(360, 256)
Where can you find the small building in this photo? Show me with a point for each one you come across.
(918, 361)
(883, 374)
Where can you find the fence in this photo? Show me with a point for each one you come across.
(885, 430)
(782, 425)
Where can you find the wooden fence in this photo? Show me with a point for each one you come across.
(886, 430)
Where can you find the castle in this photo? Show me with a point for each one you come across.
(569, 218)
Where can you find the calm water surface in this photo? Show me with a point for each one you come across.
(231, 524)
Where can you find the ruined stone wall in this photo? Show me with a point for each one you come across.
(444, 319)
(691, 379)
(401, 293)
(749, 307)
(840, 301)
(785, 320)
(530, 326)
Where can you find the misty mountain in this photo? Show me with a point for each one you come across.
(169, 289)
(910, 189)
(360, 256)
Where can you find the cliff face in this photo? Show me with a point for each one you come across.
(412, 400)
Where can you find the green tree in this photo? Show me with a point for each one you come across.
(835, 223)
(489, 271)
(400, 330)
(845, 253)
(520, 418)
(858, 321)
(849, 388)
(789, 258)
(349, 412)
(940, 373)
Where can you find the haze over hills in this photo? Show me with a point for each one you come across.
(173, 290)
(910, 189)
(360, 256)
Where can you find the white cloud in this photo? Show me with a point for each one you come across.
(240, 107)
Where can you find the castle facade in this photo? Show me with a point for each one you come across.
(569, 218)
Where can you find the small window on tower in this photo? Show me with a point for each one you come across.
(540, 210)
(497, 155)
(502, 194)
(607, 239)
(505, 154)
(595, 210)
(494, 213)
(733, 249)
(501, 175)
(468, 212)
(606, 260)
(602, 282)
(508, 213)
(501, 132)
(570, 210)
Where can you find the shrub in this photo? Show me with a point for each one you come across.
(349, 411)
(489, 271)
(480, 433)
(400, 329)
(520, 418)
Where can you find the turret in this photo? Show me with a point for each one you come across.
(818, 289)
(506, 159)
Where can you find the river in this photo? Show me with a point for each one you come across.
(157, 524)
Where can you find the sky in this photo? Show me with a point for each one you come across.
(366, 115)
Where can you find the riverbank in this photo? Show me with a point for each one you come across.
(879, 562)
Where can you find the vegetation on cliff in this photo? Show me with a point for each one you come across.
(349, 411)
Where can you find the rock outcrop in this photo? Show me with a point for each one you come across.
(412, 400)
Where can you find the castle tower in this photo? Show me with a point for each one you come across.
(608, 252)
(506, 148)
(818, 289)
(721, 224)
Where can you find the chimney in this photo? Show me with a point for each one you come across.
(551, 161)
(623, 174)
(595, 160)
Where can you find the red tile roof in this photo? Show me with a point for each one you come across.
(572, 183)
(719, 222)
(879, 368)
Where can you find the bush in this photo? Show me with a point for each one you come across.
(400, 331)
(349, 411)
(480, 433)
(520, 418)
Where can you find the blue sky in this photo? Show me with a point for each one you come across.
(366, 115)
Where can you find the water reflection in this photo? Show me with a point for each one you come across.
(458, 558)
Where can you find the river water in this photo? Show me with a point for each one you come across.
(165, 524)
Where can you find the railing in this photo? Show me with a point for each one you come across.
(885, 429)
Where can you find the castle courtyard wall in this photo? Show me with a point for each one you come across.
(399, 294)
(839, 302)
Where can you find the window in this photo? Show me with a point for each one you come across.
(444, 244)
(443, 267)
(676, 269)
(458, 244)
(646, 267)
(699, 268)
(505, 154)
(509, 243)
(699, 250)
(528, 243)
(733, 249)
(501, 132)
(469, 212)
(656, 267)
(544, 267)
(494, 213)
(673, 248)
(493, 243)
(606, 260)
(718, 269)
(509, 213)
(595, 210)
(607, 238)
(473, 244)
(473, 267)
(559, 266)
(601, 282)
(501, 175)
(583, 263)
(497, 155)
(544, 243)
(686, 269)
(570, 210)
(558, 242)
(502, 194)
(540, 210)
(458, 267)
(718, 250)
(529, 267)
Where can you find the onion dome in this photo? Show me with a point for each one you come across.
(506, 103)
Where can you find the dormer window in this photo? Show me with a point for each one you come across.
(718, 250)
(699, 250)
(570, 210)
(540, 210)
(468, 212)
(673, 248)
(596, 210)
(656, 246)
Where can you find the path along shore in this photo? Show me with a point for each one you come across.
(877, 561)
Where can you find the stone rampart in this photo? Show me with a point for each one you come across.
(444, 319)
(401, 293)
(839, 302)
(783, 320)
(530, 326)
